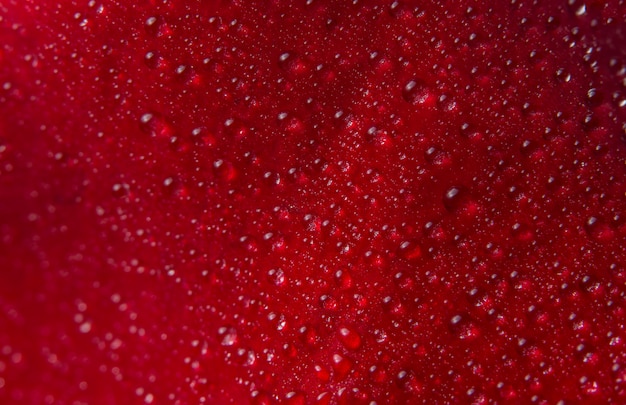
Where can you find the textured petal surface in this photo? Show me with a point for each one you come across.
(333, 202)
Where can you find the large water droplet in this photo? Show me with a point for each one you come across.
(292, 63)
(410, 250)
(341, 365)
(463, 327)
(598, 229)
(154, 60)
(321, 373)
(437, 156)
(409, 382)
(157, 27)
(155, 125)
(350, 338)
(458, 199)
(295, 398)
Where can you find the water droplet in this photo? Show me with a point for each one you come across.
(155, 125)
(378, 373)
(328, 302)
(324, 398)
(157, 27)
(410, 250)
(562, 76)
(202, 135)
(228, 335)
(594, 97)
(341, 365)
(120, 189)
(154, 60)
(522, 232)
(235, 129)
(350, 338)
(480, 299)
(586, 353)
(590, 284)
(321, 373)
(529, 147)
(85, 327)
(277, 277)
(292, 63)
(464, 328)
(457, 199)
(261, 398)
(343, 278)
(447, 103)
(552, 23)
(295, 398)
(409, 382)
(187, 75)
(309, 336)
(436, 156)
(417, 93)
(393, 306)
(598, 229)
(224, 170)
(591, 388)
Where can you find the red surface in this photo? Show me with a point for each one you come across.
(336, 202)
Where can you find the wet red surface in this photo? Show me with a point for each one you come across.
(312, 202)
